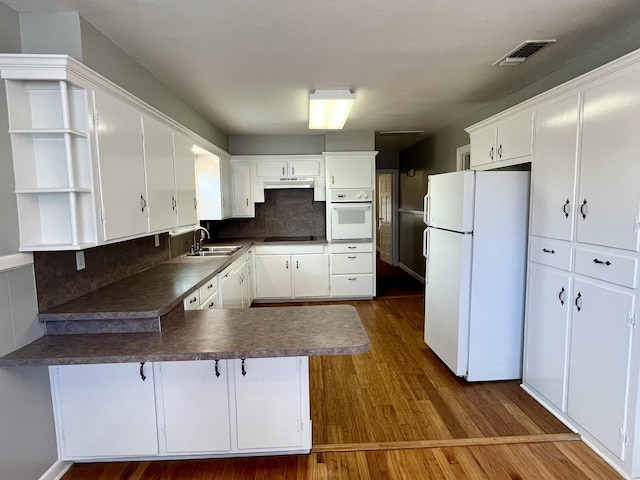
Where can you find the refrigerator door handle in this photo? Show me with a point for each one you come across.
(425, 209)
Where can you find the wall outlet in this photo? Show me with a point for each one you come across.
(156, 240)
(80, 260)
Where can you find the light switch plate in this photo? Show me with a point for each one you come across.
(80, 260)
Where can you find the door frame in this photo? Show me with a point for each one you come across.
(395, 217)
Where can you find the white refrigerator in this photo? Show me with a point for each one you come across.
(475, 247)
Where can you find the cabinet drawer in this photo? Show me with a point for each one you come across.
(351, 247)
(352, 285)
(208, 288)
(352, 263)
(618, 269)
(211, 302)
(192, 301)
(548, 252)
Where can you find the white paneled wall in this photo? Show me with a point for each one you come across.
(27, 433)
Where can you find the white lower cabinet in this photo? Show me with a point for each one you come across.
(182, 409)
(352, 269)
(291, 271)
(193, 407)
(272, 403)
(599, 366)
(105, 410)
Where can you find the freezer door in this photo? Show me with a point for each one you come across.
(447, 297)
(450, 204)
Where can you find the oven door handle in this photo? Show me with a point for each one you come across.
(355, 206)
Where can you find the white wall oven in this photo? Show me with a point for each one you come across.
(351, 215)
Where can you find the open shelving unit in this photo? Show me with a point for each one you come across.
(49, 129)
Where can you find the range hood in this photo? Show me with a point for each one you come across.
(288, 182)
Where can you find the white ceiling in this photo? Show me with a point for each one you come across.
(249, 65)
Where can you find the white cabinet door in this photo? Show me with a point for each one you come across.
(273, 276)
(547, 330)
(185, 174)
(272, 168)
(242, 202)
(232, 287)
(514, 138)
(311, 275)
(269, 403)
(554, 170)
(599, 362)
(483, 146)
(195, 415)
(304, 168)
(610, 171)
(105, 410)
(226, 187)
(158, 161)
(121, 168)
(350, 171)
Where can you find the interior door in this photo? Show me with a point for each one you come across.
(385, 217)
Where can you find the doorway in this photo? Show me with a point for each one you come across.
(385, 225)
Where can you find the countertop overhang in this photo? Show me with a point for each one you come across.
(210, 335)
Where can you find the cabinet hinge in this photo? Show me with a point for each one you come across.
(623, 436)
(632, 319)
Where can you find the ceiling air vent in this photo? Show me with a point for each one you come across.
(521, 53)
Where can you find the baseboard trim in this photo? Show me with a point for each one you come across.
(411, 272)
(454, 442)
(56, 471)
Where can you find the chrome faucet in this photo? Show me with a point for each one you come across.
(197, 244)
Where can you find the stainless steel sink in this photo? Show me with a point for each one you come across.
(216, 251)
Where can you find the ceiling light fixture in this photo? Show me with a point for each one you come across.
(329, 109)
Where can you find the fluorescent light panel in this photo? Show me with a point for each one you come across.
(329, 109)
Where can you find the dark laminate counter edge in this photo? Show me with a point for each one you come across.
(208, 335)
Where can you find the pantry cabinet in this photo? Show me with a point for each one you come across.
(105, 410)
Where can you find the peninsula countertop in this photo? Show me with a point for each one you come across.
(210, 335)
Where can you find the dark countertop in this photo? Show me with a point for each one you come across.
(209, 335)
(151, 293)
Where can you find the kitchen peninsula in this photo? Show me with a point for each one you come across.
(187, 384)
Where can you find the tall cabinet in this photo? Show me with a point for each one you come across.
(581, 356)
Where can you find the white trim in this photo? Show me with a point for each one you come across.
(18, 260)
(411, 272)
(460, 153)
(56, 471)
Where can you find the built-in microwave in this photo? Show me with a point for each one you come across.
(351, 215)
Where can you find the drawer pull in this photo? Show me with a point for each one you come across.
(561, 296)
(211, 305)
(564, 208)
(578, 301)
(583, 209)
(217, 369)
(500, 151)
(210, 286)
(491, 153)
(243, 369)
(351, 247)
(194, 299)
(142, 375)
(352, 257)
(297, 264)
(546, 250)
(352, 279)
(600, 262)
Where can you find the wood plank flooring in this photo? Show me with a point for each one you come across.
(397, 412)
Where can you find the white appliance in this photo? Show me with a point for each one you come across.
(351, 215)
(475, 249)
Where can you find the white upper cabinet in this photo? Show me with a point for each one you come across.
(243, 205)
(119, 156)
(355, 170)
(158, 159)
(609, 197)
(213, 185)
(185, 174)
(554, 170)
(502, 144)
(288, 168)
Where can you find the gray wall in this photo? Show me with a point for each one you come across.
(27, 437)
(301, 144)
(69, 33)
(437, 153)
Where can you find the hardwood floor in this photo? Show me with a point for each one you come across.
(397, 412)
